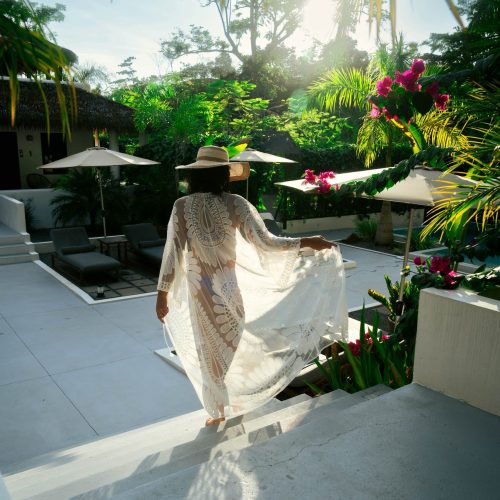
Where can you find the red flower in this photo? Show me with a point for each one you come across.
(385, 337)
(441, 101)
(354, 347)
(432, 89)
(310, 178)
(418, 67)
(384, 86)
(323, 185)
(408, 80)
(440, 265)
(419, 261)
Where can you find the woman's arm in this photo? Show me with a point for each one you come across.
(161, 305)
(316, 243)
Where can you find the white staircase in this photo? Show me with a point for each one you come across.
(131, 464)
(15, 247)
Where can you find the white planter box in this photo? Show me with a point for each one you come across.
(344, 222)
(458, 346)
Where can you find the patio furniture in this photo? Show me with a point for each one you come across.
(145, 242)
(73, 247)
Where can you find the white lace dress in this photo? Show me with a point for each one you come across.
(247, 309)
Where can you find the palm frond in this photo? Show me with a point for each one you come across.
(341, 88)
(442, 129)
(372, 139)
(462, 205)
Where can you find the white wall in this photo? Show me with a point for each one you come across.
(40, 201)
(12, 213)
(346, 222)
(458, 346)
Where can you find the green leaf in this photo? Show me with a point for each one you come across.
(422, 101)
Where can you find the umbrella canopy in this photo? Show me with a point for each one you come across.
(258, 156)
(98, 157)
(250, 154)
(421, 187)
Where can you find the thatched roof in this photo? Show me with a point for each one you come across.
(94, 111)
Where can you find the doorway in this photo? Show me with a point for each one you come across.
(10, 175)
(52, 150)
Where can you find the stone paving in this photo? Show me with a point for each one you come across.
(71, 372)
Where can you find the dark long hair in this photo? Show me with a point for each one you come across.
(213, 180)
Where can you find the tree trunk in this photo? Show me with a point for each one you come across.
(384, 234)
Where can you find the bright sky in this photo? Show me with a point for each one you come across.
(105, 32)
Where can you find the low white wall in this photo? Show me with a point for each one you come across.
(458, 346)
(12, 213)
(346, 222)
(40, 201)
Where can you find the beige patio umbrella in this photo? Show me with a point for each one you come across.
(98, 158)
(420, 188)
(252, 155)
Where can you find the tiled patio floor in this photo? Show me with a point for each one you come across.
(71, 371)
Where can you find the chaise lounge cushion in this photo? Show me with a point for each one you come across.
(78, 249)
(145, 242)
(73, 247)
(151, 243)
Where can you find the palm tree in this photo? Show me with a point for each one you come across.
(25, 48)
(480, 158)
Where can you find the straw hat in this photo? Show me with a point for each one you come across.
(214, 156)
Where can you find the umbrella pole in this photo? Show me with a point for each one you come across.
(102, 203)
(404, 271)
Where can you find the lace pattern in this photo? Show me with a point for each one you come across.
(247, 310)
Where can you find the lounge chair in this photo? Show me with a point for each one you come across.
(145, 242)
(74, 248)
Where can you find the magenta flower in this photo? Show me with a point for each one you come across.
(408, 80)
(310, 177)
(418, 67)
(440, 265)
(432, 89)
(419, 261)
(324, 176)
(375, 112)
(324, 186)
(385, 337)
(441, 101)
(384, 86)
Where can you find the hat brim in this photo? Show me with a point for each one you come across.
(238, 171)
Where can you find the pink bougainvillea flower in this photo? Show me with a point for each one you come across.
(441, 101)
(419, 261)
(408, 80)
(324, 186)
(440, 264)
(384, 86)
(432, 89)
(323, 176)
(385, 337)
(375, 112)
(310, 177)
(418, 66)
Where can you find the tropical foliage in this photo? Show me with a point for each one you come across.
(26, 48)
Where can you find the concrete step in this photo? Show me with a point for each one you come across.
(412, 443)
(18, 258)
(17, 248)
(88, 474)
(12, 237)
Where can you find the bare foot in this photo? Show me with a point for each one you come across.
(214, 421)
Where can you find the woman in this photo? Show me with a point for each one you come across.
(246, 310)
